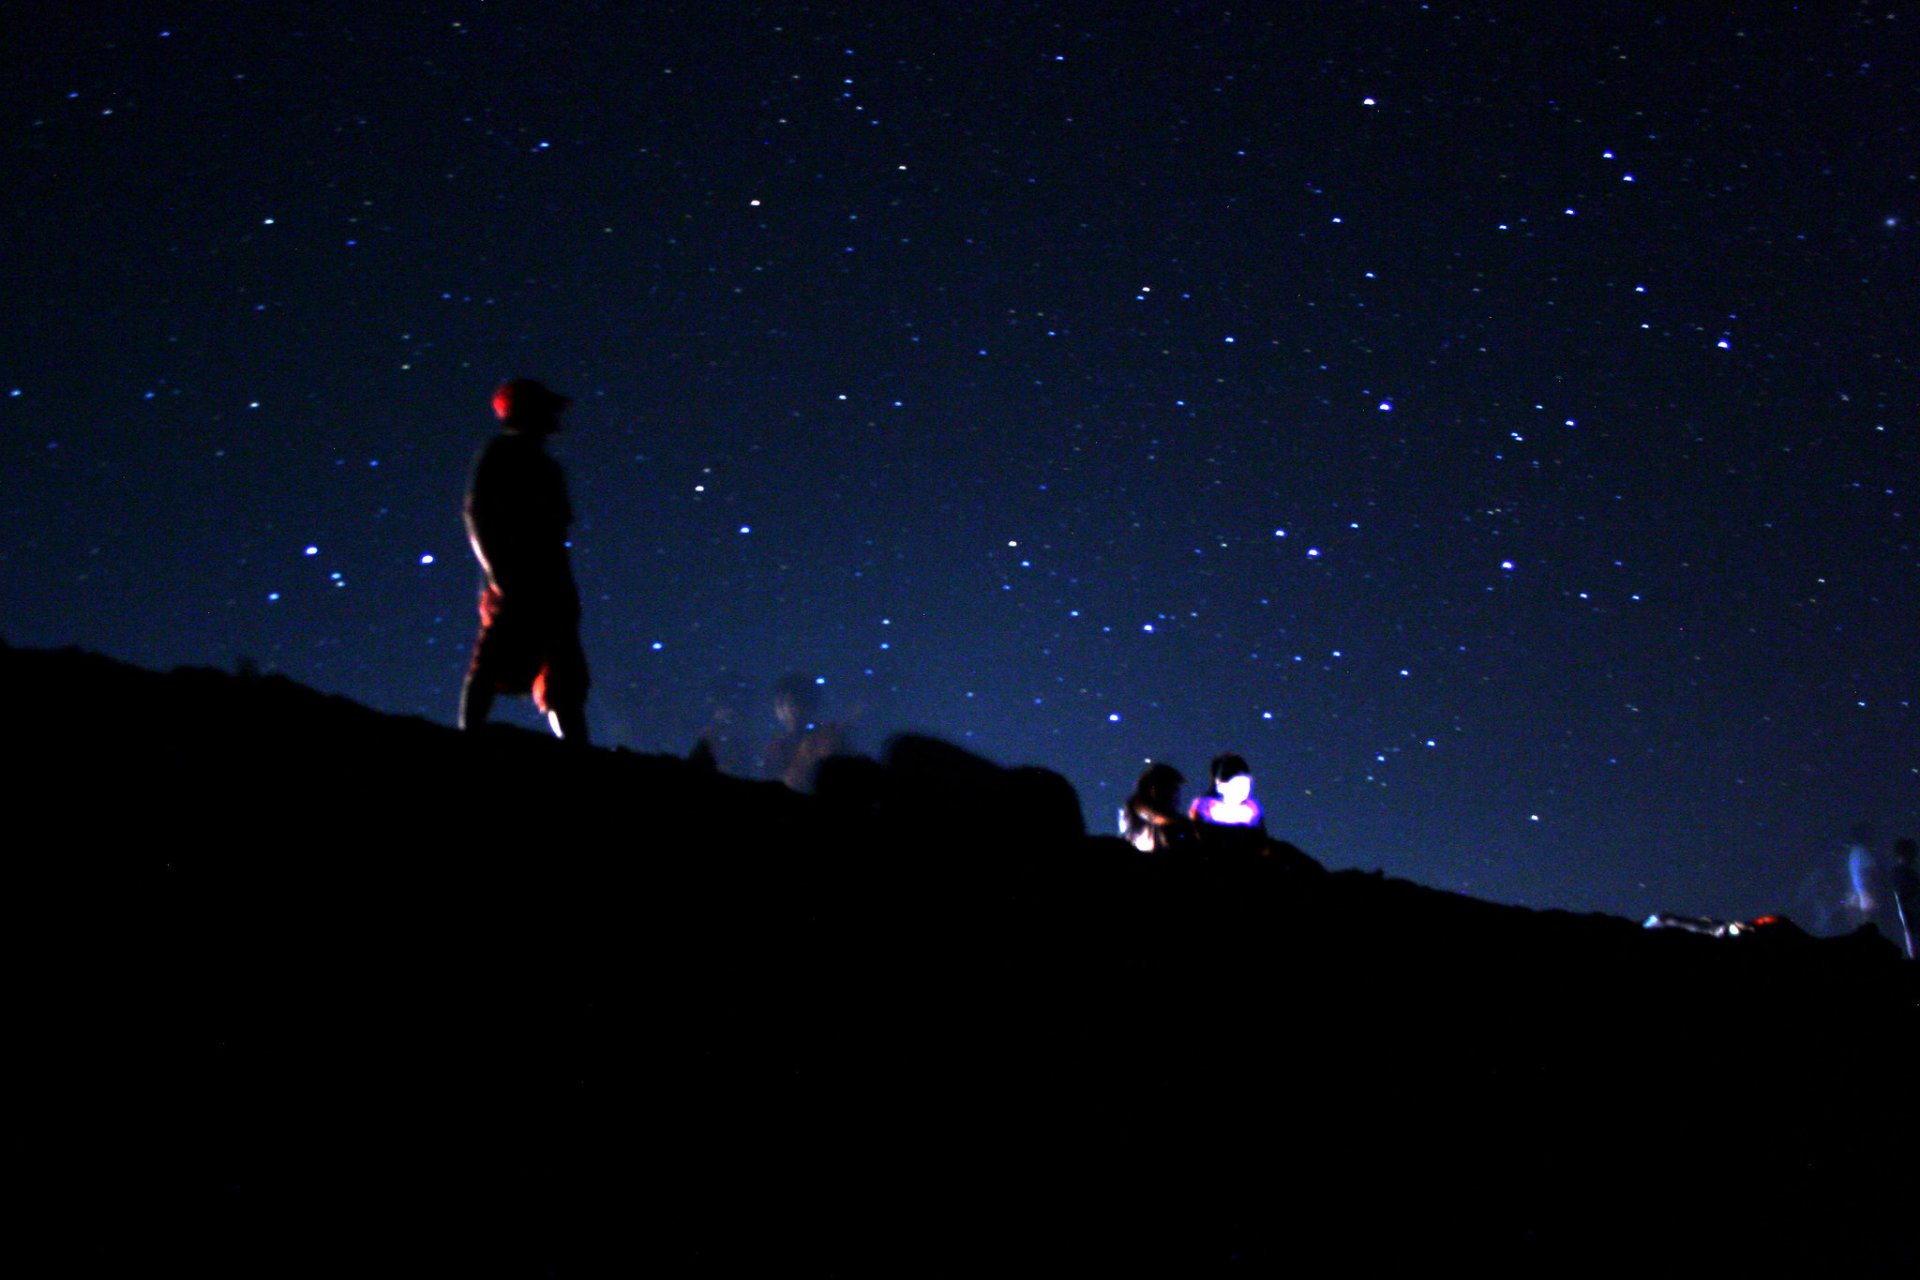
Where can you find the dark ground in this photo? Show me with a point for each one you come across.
(308, 983)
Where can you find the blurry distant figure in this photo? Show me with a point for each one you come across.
(723, 745)
(1230, 803)
(1151, 820)
(1862, 879)
(1868, 898)
(1821, 899)
(803, 741)
(517, 515)
(1905, 886)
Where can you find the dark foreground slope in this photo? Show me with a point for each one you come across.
(302, 982)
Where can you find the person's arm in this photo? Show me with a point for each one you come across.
(497, 531)
(477, 539)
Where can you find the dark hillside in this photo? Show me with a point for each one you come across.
(304, 982)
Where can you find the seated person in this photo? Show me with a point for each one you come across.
(1151, 820)
(1230, 803)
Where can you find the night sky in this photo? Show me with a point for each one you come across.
(1497, 422)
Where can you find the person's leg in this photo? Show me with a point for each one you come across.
(569, 724)
(561, 686)
(482, 683)
(476, 701)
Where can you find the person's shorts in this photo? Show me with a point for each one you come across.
(531, 648)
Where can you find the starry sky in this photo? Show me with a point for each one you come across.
(1495, 421)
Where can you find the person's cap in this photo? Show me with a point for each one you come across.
(526, 397)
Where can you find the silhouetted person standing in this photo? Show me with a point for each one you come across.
(517, 516)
